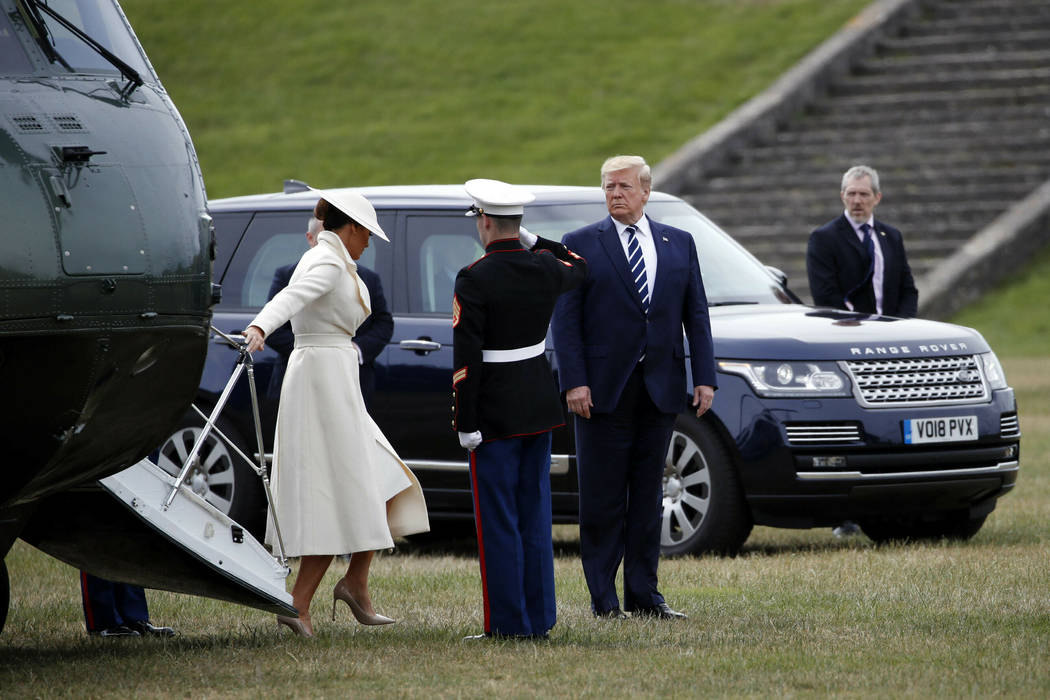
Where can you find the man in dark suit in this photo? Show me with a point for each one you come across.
(621, 360)
(113, 609)
(507, 403)
(857, 262)
(370, 339)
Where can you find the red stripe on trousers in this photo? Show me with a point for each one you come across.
(481, 541)
(89, 614)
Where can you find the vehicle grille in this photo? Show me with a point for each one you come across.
(828, 433)
(1009, 426)
(922, 381)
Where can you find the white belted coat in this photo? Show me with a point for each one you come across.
(333, 469)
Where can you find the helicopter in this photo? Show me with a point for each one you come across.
(105, 295)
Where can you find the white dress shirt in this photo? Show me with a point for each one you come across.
(880, 266)
(645, 242)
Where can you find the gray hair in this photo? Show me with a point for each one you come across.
(861, 171)
(315, 226)
(645, 174)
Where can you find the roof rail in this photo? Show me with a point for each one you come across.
(291, 186)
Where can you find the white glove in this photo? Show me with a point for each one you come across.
(527, 239)
(470, 440)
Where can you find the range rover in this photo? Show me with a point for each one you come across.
(904, 426)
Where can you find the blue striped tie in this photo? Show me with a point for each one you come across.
(636, 262)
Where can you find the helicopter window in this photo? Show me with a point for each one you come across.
(102, 23)
(13, 59)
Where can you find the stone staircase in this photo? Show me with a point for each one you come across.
(951, 105)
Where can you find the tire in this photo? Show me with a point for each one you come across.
(704, 509)
(219, 475)
(957, 525)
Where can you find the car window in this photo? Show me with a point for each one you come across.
(279, 250)
(445, 245)
(273, 240)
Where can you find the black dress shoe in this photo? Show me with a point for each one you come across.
(610, 614)
(118, 631)
(147, 629)
(662, 611)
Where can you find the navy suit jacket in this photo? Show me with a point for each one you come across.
(601, 331)
(371, 336)
(836, 262)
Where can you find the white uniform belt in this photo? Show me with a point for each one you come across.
(305, 340)
(514, 355)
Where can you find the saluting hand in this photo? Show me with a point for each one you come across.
(703, 395)
(579, 401)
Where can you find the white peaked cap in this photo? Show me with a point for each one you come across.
(497, 198)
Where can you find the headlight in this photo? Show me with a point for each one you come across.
(788, 379)
(993, 371)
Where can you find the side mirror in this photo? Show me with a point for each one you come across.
(778, 274)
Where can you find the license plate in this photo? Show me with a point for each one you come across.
(954, 429)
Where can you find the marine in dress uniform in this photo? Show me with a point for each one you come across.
(507, 402)
(113, 609)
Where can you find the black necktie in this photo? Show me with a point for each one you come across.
(636, 262)
(869, 246)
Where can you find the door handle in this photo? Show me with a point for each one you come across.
(225, 338)
(420, 346)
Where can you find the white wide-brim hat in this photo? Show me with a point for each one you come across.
(355, 206)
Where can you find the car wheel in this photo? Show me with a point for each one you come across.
(957, 525)
(704, 508)
(219, 475)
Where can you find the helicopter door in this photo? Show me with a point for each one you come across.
(99, 223)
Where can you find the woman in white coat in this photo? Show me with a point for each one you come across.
(338, 485)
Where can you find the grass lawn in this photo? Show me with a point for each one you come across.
(799, 613)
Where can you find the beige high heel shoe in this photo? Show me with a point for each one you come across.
(294, 624)
(342, 592)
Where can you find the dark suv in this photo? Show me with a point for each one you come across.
(906, 427)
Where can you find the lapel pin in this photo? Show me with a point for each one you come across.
(666, 241)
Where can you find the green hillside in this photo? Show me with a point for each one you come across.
(414, 91)
(1014, 317)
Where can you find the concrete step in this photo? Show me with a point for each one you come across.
(752, 183)
(1007, 150)
(787, 247)
(984, 60)
(939, 81)
(787, 160)
(957, 100)
(989, 134)
(849, 121)
(947, 9)
(969, 42)
(896, 189)
(807, 215)
(986, 25)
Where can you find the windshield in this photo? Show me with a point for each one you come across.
(731, 274)
(13, 60)
(103, 23)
